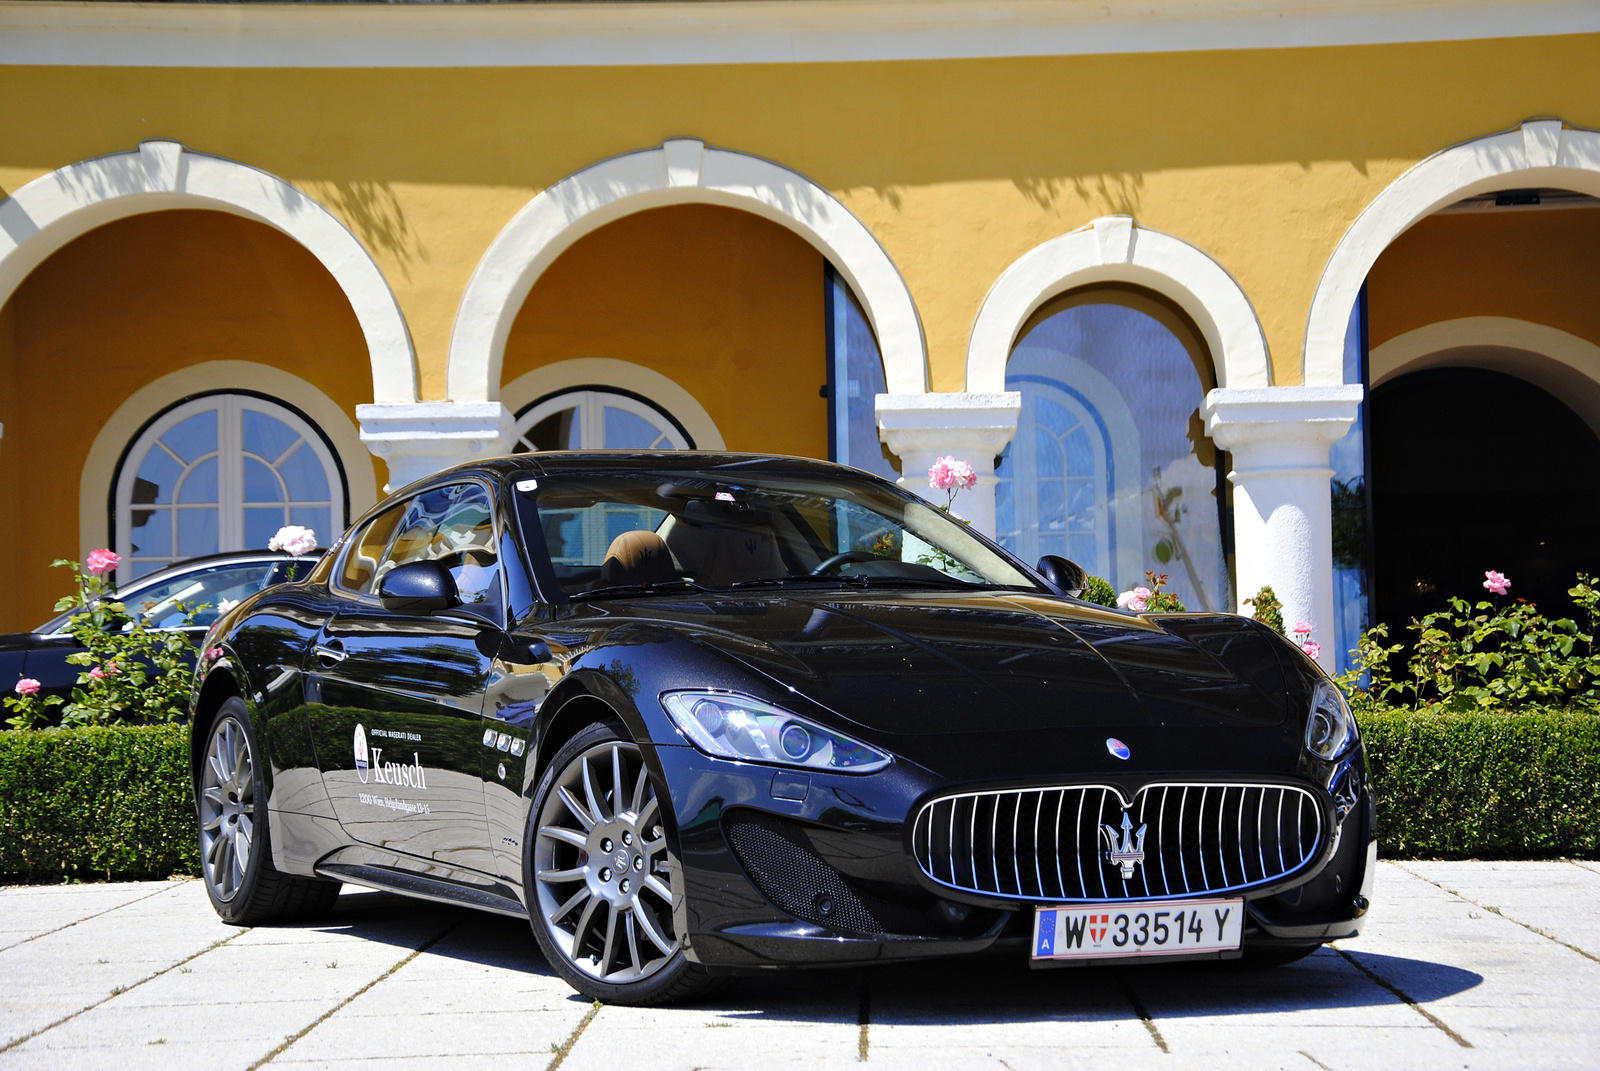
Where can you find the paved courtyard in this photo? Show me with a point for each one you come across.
(1464, 965)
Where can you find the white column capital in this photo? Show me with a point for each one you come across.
(972, 427)
(417, 439)
(1280, 428)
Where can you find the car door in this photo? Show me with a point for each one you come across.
(398, 697)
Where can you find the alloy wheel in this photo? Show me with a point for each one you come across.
(227, 809)
(600, 867)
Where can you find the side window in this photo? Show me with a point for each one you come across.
(217, 589)
(453, 525)
(367, 550)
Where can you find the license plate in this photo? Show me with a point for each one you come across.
(1163, 928)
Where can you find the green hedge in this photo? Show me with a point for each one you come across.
(114, 802)
(111, 803)
(1522, 785)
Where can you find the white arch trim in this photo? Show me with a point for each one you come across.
(99, 469)
(1542, 152)
(606, 372)
(680, 171)
(52, 210)
(1554, 360)
(1116, 249)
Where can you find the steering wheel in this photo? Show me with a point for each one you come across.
(828, 565)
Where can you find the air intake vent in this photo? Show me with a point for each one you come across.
(789, 872)
(1081, 843)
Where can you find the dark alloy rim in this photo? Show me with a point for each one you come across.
(600, 867)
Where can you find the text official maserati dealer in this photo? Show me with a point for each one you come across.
(696, 714)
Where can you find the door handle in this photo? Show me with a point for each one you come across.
(330, 653)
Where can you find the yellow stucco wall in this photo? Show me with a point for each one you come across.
(1261, 157)
(726, 304)
(118, 307)
(1541, 266)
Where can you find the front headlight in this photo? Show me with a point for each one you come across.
(1331, 728)
(738, 727)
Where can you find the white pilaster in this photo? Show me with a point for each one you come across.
(1282, 512)
(920, 428)
(417, 439)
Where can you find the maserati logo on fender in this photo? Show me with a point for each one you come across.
(361, 752)
(1128, 854)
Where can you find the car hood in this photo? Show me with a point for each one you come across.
(931, 664)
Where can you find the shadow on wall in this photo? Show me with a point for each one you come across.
(374, 212)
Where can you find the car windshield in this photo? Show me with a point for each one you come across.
(623, 534)
(205, 593)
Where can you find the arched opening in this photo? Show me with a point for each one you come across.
(1111, 465)
(1475, 470)
(724, 304)
(170, 296)
(1482, 344)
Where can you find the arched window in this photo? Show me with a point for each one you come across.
(593, 418)
(222, 472)
(1110, 465)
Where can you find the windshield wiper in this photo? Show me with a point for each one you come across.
(659, 587)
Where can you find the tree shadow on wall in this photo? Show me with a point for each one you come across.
(373, 211)
(1107, 194)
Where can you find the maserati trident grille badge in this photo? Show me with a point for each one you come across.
(1130, 853)
(1118, 748)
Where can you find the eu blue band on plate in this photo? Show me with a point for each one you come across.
(1047, 934)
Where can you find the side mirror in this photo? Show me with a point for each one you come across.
(418, 588)
(1064, 575)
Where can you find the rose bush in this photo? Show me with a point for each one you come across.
(132, 673)
(1486, 656)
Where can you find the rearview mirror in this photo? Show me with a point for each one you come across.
(1063, 574)
(418, 588)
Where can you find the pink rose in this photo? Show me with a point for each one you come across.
(948, 474)
(1136, 600)
(293, 539)
(101, 561)
(27, 686)
(1313, 649)
(1301, 628)
(97, 674)
(1496, 582)
(214, 654)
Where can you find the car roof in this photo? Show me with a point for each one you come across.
(554, 462)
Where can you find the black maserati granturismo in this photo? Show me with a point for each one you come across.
(694, 714)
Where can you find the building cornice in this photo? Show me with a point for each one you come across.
(673, 32)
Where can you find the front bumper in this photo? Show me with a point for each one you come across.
(788, 868)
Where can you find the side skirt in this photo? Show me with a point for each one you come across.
(422, 888)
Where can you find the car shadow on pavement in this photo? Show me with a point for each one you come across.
(985, 988)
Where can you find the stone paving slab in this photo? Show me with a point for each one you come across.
(1464, 965)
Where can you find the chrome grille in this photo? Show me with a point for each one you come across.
(1051, 844)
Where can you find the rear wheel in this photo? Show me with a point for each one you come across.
(599, 885)
(235, 846)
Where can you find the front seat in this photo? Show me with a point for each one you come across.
(637, 557)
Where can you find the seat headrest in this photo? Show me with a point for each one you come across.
(637, 557)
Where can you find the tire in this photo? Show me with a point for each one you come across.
(597, 876)
(235, 832)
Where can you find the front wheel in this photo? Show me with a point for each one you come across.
(235, 847)
(599, 886)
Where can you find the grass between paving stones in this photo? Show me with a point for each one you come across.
(114, 802)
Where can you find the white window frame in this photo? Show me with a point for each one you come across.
(591, 402)
(230, 504)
